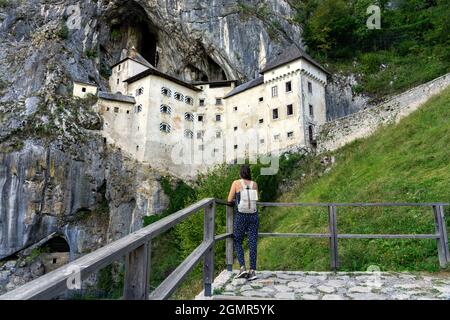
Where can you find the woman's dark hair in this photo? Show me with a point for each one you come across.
(246, 173)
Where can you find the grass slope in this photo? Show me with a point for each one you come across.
(408, 162)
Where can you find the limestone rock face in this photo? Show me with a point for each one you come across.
(91, 198)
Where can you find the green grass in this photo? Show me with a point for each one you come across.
(388, 72)
(409, 162)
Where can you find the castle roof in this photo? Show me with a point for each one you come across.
(86, 83)
(246, 86)
(132, 54)
(116, 97)
(292, 53)
(153, 71)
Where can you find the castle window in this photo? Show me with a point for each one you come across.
(164, 127)
(200, 118)
(218, 117)
(178, 96)
(262, 141)
(128, 111)
(139, 91)
(119, 67)
(235, 109)
(201, 147)
(166, 109)
(289, 86)
(202, 102)
(107, 109)
(276, 137)
(235, 147)
(261, 99)
(261, 121)
(83, 89)
(188, 134)
(116, 109)
(218, 102)
(275, 115)
(235, 128)
(290, 110)
(311, 111)
(310, 88)
(218, 134)
(166, 92)
(189, 100)
(118, 81)
(200, 135)
(189, 116)
(274, 91)
(290, 135)
(138, 108)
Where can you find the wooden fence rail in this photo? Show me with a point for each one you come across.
(136, 248)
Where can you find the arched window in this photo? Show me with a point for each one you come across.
(138, 108)
(189, 134)
(165, 127)
(189, 116)
(189, 100)
(166, 109)
(178, 96)
(165, 91)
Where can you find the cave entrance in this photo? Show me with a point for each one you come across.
(56, 253)
(131, 27)
(56, 244)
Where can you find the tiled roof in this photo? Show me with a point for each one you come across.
(291, 54)
(156, 72)
(135, 56)
(246, 86)
(85, 82)
(116, 97)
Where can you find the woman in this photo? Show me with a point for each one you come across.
(245, 223)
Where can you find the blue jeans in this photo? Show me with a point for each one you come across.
(246, 223)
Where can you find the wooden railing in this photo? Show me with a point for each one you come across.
(136, 248)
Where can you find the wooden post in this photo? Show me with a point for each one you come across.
(230, 241)
(332, 223)
(442, 241)
(137, 271)
(208, 235)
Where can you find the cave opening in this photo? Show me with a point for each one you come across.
(131, 27)
(56, 244)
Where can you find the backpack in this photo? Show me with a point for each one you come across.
(249, 196)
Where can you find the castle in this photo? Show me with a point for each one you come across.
(186, 127)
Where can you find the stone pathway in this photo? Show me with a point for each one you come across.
(333, 286)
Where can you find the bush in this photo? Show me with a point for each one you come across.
(63, 31)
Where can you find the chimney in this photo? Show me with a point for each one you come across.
(133, 52)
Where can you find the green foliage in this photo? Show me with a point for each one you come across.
(412, 46)
(179, 197)
(5, 3)
(397, 164)
(63, 31)
(116, 34)
(91, 53)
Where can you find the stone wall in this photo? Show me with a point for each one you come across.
(342, 131)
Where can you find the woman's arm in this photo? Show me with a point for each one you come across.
(232, 194)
